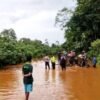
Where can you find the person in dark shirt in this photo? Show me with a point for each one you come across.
(63, 62)
(27, 70)
(94, 61)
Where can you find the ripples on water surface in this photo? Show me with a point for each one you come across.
(72, 84)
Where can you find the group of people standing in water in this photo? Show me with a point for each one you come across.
(47, 62)
(69, 59)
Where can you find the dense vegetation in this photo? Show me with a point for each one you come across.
(82, 30)
(13, 51)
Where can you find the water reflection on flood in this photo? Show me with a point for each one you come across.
(72, 84)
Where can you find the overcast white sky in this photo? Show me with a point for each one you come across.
(33, 19)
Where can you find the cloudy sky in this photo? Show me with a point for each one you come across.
(33, 19)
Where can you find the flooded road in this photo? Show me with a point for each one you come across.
(73, 84)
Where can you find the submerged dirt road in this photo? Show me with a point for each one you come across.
(73, 84)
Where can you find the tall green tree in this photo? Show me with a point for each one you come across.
(8, 33)
(83, 26)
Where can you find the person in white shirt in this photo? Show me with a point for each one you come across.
(46, 60)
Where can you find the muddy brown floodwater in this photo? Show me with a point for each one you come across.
(73, 84)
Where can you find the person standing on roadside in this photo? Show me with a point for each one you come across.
(27, 70)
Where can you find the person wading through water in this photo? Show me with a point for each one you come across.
(46, 60)
(27, 70)
(63, 62)
(53, 62)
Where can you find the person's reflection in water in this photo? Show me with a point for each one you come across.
(53, 75)
(46, 75)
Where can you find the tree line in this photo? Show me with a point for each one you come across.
(14, 51)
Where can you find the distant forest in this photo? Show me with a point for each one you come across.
(13, 51)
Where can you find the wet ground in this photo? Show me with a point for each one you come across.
(73, 84)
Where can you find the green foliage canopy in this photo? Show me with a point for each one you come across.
(13, 51)
(83, 26)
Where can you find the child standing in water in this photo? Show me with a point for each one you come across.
(27, 70)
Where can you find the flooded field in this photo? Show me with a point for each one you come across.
(73, 84)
